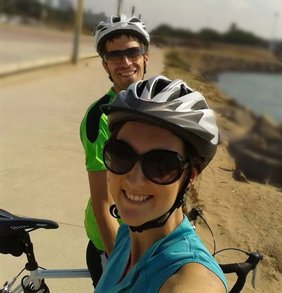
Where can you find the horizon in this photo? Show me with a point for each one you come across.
(260, 17)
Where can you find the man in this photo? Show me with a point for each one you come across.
(122, 44)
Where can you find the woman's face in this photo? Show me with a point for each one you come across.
(137, 198)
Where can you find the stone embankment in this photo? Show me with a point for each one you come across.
(219, 64)
(257, 153)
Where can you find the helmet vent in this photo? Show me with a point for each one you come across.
(116, 19)
(134, 19)
(184, 91)
(140, 88)
(159, 86)
(200, 105)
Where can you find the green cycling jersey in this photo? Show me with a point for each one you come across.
(93, 134)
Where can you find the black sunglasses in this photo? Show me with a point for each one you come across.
(116, 56)
(159, 166)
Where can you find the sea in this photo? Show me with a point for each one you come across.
(259, 92)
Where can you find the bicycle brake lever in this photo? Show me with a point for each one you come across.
(259, 258)
(8, 286)
(254, 276)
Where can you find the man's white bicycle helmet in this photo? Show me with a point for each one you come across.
(115, 25)
(170, 104)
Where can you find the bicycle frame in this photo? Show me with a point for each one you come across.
(35, 277)
(61, 273)
(35, 280)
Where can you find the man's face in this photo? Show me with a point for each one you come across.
(126, 68)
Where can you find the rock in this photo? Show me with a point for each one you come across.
(258, 154)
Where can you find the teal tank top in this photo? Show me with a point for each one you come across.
(159, 262)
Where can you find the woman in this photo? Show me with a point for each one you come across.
(162, 136)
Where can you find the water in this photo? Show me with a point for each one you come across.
(261, 93)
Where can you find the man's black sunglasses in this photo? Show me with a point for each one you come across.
(159, 166)
(131, 53)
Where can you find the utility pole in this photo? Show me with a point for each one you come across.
(119, 9)
(133, 10)
(77, 30)
(272, 38)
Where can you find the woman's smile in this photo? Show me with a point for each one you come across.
(136, 199)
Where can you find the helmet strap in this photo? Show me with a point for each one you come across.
(160, 221)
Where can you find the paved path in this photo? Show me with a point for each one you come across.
(22, 47)
(42, 170)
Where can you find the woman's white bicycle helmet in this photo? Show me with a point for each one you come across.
(118, 25)
(170, 104)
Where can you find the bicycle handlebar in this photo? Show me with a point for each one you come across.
(242, 269)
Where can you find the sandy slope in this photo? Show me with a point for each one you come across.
(242, 215)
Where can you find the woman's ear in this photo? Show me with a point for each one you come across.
(194, 175)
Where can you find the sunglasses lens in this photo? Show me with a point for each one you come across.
(162, 167)
(159, 166)
(131, 53)
(134, 52)
(119, 158)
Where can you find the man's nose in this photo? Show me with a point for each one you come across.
(125, 60)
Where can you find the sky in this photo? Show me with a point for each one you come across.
(261, 17)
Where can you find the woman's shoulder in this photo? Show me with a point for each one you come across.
(173, 257)
(195, 278)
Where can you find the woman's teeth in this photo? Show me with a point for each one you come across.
(137, 198)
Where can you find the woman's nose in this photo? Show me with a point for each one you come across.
(135, 175)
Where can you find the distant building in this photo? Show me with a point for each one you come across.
(65, 5)
(49, 3)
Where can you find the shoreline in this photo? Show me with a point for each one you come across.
(255, 102)
(240, 210)
(256, 139)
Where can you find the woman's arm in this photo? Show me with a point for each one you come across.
(193, 278)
